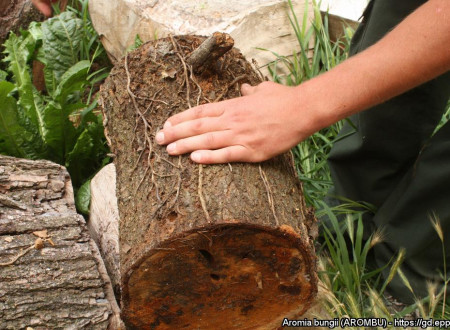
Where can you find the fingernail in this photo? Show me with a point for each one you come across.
(196, 157)
(171, 147)
(167, 124)
(160, 137)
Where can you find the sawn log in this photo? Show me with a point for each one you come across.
(208, 247)
(51, 273)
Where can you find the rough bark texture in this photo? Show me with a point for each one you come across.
(16, 14)
(223, 246)
(51, 275)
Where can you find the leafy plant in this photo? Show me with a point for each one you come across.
(445, 118)
(137, 43)
(59, 123)
(351, 288)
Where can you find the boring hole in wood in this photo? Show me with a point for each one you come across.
(208, 256)
(172, 216)
(215, 277)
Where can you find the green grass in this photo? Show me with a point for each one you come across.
(352, 288)
(316, 55)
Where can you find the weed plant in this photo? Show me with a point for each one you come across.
(56, 122)
(316, 55)
(349, 289)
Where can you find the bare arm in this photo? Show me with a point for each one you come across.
(270, 118)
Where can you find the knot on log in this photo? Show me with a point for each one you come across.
(207, 54)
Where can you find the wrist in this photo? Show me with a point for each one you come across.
(315, 108)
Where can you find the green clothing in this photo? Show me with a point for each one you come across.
(393, 162)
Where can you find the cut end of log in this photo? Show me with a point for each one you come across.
(227, 276)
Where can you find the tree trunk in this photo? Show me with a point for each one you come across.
(51, 273)
(16, 14)
(222, 246)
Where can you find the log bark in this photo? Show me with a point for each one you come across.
(51, 273)
(222, 246)
(16, 14)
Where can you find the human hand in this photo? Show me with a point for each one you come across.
(261, 124)
(44, 6)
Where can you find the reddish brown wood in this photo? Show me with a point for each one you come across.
(222, 246)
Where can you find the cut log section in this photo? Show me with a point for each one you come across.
(51, 273)
(220, 247)
(103, 222)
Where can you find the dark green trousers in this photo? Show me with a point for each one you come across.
(393, 162)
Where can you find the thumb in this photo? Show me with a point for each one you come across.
(246, 89)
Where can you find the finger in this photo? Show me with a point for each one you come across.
(43, 6)
(225, 155)
(247, 89)
(201, 111)
(208, 141)
(187, 129)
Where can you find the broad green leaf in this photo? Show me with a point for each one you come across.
(3, 75)
(55, 125)
(72, 80)
(11, 133)
(87, 115)
(88, 153)
(83, 198)
(35, 31)
(15, 140)
(79, 158)
(98, 76)
(42, 125)
(62, 36)
(73, 107)
(59, 131)
(30, 107)
(27, 42)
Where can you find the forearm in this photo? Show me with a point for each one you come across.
(417, 50)
(271, 118)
